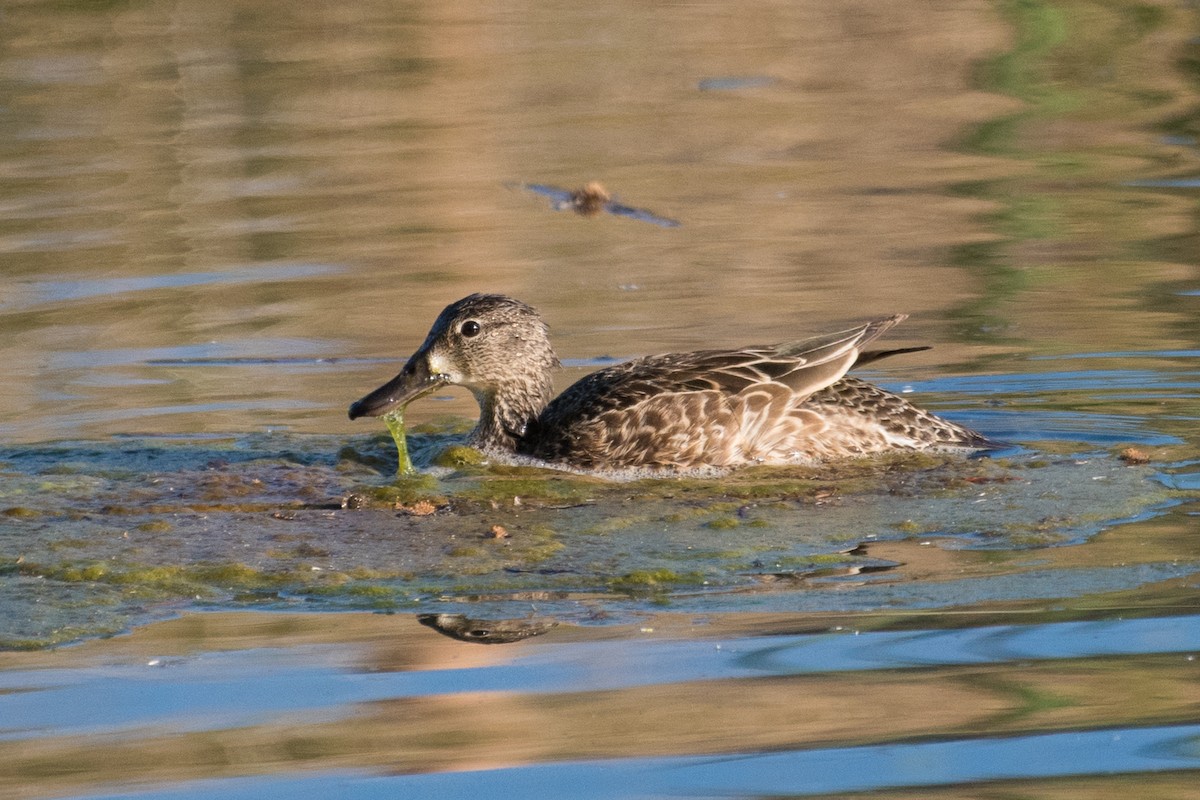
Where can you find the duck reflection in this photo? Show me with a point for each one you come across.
(485, 631)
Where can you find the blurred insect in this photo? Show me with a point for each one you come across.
(591, 199)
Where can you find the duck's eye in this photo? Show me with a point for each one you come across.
(469, 328)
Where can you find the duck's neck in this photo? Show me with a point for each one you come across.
(506, 414)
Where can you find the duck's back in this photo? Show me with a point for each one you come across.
(723, 408)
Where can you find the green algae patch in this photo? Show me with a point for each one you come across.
(367, 596)
(540, 544)
(649, 582)
(89, 573)
(813, 560)
(523, 548)
(20, 512)
(166, 580)
(460, 456)
(404, 491)
(273, 521)
(615, 523)
(235, 575)
(537, 487)
(865, 476)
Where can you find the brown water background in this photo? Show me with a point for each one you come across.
(221, 222)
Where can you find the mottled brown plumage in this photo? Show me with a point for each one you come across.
(780, 404)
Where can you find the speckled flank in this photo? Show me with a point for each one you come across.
(779, 404)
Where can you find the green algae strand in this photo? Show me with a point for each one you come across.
(395, 425)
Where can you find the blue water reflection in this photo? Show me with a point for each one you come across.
(793, 773)
(243, 687)
(65, 290)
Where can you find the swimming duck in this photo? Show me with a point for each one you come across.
(778, 404)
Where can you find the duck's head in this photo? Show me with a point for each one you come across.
(495, 346)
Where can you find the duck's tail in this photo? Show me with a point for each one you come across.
(867, 356)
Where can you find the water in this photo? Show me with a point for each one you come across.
(221, 223)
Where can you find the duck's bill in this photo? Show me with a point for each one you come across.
(412, 382)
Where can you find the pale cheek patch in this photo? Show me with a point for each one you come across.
(441, 366)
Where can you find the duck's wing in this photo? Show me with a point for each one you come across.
(802, 368)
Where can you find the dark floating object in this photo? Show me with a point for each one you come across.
(485, 631)
(591, 199)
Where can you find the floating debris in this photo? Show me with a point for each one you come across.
(591, 199)
(421, 508)
(1133, 456)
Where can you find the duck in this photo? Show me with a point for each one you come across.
(781, 404)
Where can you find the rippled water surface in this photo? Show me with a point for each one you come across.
(222, 222)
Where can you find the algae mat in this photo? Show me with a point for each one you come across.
(96, 536)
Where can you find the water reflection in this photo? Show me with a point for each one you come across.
(37, 293)
(353, 697)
